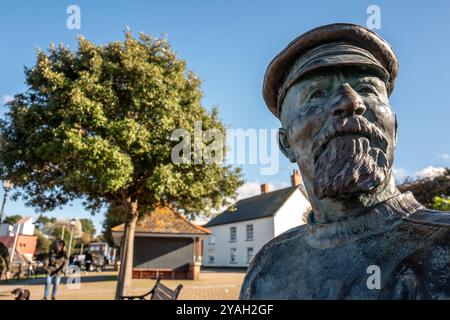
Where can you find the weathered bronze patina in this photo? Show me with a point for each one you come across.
(330, 89)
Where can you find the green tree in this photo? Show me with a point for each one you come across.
(114, 216)
(96, 124)
(12, 219)
(441, 203)
(82, 241)
(61, 229)
(42, 220)
(87, 226)
(43, 244)
(426, 189)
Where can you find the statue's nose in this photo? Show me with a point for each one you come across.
(349, 103)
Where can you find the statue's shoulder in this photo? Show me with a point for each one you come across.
(271, 250)
(429, 261)
(273, 245)
(287, 236)
(430, 217)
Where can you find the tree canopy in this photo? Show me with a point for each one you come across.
(114, 216)
(441, 203)
(42, 220)
(426, 190)
(87, 226)
(97, 124)
(12, 219)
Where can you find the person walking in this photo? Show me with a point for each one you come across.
(55, 266)
(88, 261)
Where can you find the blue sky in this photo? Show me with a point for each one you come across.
(228, 44)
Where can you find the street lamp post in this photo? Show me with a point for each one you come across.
(62, 232)
(72, 225)
(16, 236)
(7, 185)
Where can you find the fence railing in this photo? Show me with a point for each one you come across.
(21, 271)
(35, 269)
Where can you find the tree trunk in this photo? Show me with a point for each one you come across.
(121, 259)
(126, 263)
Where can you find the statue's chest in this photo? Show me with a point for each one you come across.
(356, 271)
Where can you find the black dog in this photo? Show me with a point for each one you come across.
(21, 294)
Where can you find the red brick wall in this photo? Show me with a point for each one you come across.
(26, 244)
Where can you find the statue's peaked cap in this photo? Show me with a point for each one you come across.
(340, 33)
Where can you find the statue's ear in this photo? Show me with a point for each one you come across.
(284, 145)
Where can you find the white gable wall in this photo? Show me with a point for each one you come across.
(288, 216)
(26, 228)
(291, 213)
(263, 231)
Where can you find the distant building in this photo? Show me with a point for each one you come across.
(5, 229)
(26, 240)
(166, 244)
(239, 232)
(99, 248)
(25, 226)
(25, 246)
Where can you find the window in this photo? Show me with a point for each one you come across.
(233, 258)
(211, 256)
(232, 234)
(211, 240)
(249, 232)
(249, 254)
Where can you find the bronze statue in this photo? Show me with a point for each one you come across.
(364, 239)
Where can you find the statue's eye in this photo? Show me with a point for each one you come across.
(317, 94)
(367, 90)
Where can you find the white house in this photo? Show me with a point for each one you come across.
(239, 232)
(21, 237)
(24, 226)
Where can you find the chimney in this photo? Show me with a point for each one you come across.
(264, 188)
(296, 179)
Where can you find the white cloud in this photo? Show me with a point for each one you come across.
(445, 156)
(399, 174)
(249, 189)
(430, 172)
(7, 98)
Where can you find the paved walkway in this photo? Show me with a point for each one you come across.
(213, 285)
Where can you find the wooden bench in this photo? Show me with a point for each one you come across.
(159, 292)
(161, 273)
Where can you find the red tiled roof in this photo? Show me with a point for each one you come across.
(7, 241)
(165, 220)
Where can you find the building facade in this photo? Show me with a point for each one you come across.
(239, 233)
(166, 245)
(21, 237)
(25, 245)
(24, 226)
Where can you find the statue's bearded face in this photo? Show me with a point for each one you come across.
(340, 129)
